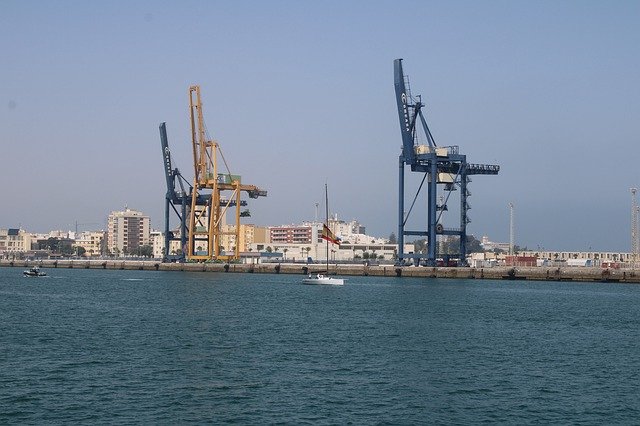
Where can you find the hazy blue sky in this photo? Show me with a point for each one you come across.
(300, 93)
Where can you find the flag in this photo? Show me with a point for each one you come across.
(328, 235)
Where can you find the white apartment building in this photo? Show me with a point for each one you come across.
(157, 242)
(127, 230)
(488, 245)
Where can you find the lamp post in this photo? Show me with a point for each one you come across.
(511, 230)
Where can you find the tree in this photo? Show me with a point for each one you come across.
(145, 251)
(80, 250)
(285, 253)
(66, 247)
(393, 239)
(269, 249)
(52, 244)
(473, 245)
(419, 246)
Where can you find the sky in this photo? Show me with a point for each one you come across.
(300, 93)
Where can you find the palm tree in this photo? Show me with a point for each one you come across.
(285, 253)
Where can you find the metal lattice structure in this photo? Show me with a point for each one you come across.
(442, 167)
(202, 207)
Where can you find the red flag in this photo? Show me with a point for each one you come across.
(328, 235)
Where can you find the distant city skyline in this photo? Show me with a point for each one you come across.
(299, 94)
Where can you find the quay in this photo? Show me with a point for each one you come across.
(578, 274)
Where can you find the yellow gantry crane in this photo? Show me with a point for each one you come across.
(206, 217)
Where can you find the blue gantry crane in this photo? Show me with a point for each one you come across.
(179, 201)
(439, 166)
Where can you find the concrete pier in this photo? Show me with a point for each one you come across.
(583, 274)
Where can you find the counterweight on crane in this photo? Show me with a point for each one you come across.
(443, 166)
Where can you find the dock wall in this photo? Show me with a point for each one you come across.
(586, 274)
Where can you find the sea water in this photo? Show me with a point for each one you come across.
(123, 347)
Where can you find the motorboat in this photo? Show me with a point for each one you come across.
(34, 272)
(322, 279)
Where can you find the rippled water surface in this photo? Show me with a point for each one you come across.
(122, 347)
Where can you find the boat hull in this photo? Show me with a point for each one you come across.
(33, 273)
(323, 281)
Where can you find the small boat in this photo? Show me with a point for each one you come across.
(321, 279)
(34, 272)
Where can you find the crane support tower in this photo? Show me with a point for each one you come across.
(203, 207)
(442, 167)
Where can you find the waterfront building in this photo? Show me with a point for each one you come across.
(293, 234)
(127, 230)
(298, 242)
(91, 241)
(491, 246)
(157, 242)
(261, 235)
(597, 258)
(228, 237)
(14, 242)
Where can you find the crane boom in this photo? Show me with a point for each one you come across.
(406, 121)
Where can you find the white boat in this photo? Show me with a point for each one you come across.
(328, 236)
(321, 279)
(34, 272)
